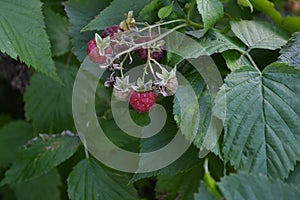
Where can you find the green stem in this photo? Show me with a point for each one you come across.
(157, 63)
(188, 17)
(121, 65)
(252, 62)
(194, 24)
(162, 24)
(191, 9)
(147, 64)
(86, 152)
(152, 71)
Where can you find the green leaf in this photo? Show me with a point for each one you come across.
(57, 28)
(12, 136)
(235, 60)
(211, 11)
(197, 34)
(45, 187)
(89, 180)
(119, 137)
(259, 35)
(164, 12)
(48, 104)
(4, 119)
(185, 47)
(182, 185)
(185, 162)
(215, 42)
(114, 14)
(290, 54)
(261, 119)
(244, 187)
(203, 104)
(185, 108)
(22, 33)
(245, 3)
(80, 13)
(204, 193)
(149, 12)
(7, 193)
(268, 8)
(294, 176)
(40, 156)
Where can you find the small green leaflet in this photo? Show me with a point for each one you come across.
(245, 3)
(243, 187)
(89, 181)
(235, 60)
(149, 12)
(22, 34)
(262, 116)
(164, 12)
(211, 11)
(40, 155)
(259, 35)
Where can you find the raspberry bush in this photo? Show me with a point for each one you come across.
(247, 83)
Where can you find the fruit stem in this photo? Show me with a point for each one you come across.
(121, 65)
(157, 63)
(252, 62)
(162, 24)
(147, 64)
(152, 41)
(86, 151)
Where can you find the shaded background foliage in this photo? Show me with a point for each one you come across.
(255, 45)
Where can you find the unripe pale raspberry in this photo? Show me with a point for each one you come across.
(171, 86)
(121, 95)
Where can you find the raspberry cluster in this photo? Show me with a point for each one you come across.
(118, 43)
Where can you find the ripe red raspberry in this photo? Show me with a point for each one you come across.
(93, 52)
(110, 31)
(142, 101)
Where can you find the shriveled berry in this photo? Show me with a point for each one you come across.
(142, 101)
(143, 54)
(156, 54)
(93, 52)
(110, 31)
